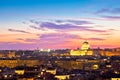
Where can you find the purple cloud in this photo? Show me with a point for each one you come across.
(104, 10)
(59, 21)
(38, 28)
(95, 30)
(116, 10)
(112, 17)
(58, 40)
(35, 22)
(21, 31)
(28, 40)
(53, 38)
(65, 27)
(79, 22)
(107, 10)
(58, 36)
(31, 40)
(51, 25)
(64, 38)
(17, 46)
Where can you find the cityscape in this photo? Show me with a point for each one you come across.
(59, 40)
(62, 64)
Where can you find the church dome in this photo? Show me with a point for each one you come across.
(85, 42)
(85, 46)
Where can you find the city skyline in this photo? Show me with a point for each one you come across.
(59, 24)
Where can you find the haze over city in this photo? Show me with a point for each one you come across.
(56, 24)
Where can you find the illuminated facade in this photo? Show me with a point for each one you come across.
(51, 71)
(85, 46)
(63, 77)
(84, 50)
(77, 53)
(20, 72)
(14, 63)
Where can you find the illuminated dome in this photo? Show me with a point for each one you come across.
(85, 45)
(85, 42)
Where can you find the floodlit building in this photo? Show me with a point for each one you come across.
(85, 46)
(77, 53)
(52, 71)
(85, 50)
(20, 72)
(62, 77)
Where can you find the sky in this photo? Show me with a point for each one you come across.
(59, 24)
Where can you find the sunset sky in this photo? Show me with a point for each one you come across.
(59, 24)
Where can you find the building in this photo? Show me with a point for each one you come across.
(19, 70)
(11, 55)
(85, 50)
(62, 77)
(85, 46)
(2, 55)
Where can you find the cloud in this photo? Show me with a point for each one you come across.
(116, 10)
(69, 21)
(19, 39)
(21, 31)
(112, 17)
(6, 43)
(27, 40)
(58, 36)
(95, 30)
(94, 39)
(104, 10)
(58, 40)
(77, 22)
(35, 22)
(17, 46)
(105, 34)
(67, 27)
(52, 38)
(64, 38)
(24, 22)
(107, 10)
(31, 40)
(59, 21)
(51, 25)
(37, 28)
